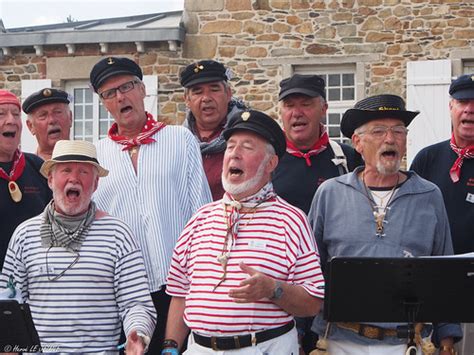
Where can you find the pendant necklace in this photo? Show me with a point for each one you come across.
(379, 212)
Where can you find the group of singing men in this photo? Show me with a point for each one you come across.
(214, 237)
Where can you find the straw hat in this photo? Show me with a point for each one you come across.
(70, 151)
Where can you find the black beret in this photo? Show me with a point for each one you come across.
(310, 85)
(463, 87)
(112, 66)
(259, 123)
(374, 108)
(43, 97)
(203, 71)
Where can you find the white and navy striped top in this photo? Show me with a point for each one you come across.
(158, 200)
(276, 240)
(83, 310)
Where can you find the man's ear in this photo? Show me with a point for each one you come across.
(272, 164)
(356, 143)
(30, 126)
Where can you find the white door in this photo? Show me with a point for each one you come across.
(427, 91)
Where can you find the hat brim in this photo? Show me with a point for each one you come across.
(354, 118)
(465, 94)
(48, 165)
(203, 80)
(310, 93)
(45, 101)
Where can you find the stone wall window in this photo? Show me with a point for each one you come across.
(469, 67)
(91, 119)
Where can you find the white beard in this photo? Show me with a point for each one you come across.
(243, 187)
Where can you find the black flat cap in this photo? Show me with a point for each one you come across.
(310, 85)
(373, 108)
(260, 123)
(463, 87)
(112, 66)
(204, 71)
(43, 97)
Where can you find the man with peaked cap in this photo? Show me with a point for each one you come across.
(156, 181)
(80, 269)
(23, 191)
(310, 157)
(379, 211)
(209, 100)
(49, 118)
(246, 264)
(450, 165)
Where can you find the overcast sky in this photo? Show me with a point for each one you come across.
(21, 13)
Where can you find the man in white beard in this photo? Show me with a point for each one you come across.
(245, 265)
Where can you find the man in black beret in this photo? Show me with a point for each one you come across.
(49, 118)
(250, 256)
(156, 179)
(209, 101)
(450, 165)
(379, 210)
(310, 157)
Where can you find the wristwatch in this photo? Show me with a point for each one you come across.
(278, 291)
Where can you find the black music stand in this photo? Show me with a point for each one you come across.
(17, 331)
(401, 290)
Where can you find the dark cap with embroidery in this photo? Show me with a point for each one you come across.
(112, 66)
(259, 123)
(374, 108)
(309, 85)
(43, 97)
(204, 71)
(463, 87)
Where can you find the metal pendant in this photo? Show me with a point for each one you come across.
(15, 191)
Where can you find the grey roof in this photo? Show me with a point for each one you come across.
(165, 26)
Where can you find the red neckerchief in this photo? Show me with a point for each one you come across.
(17, 168)
(463, 153)
(150, 128)
(317, 148)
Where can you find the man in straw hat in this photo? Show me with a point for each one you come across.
(245, 265)
(23, 191)
(379, 211)
(80, 269)
(156, 180)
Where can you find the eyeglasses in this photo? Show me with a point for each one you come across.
(381, 131)
(125, 87)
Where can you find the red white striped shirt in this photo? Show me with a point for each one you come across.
(276, 240)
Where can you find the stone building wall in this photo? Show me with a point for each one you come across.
(261, 40)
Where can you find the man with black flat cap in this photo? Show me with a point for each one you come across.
(156, 181)
(450, 164)
(209, 101)
(246, 264)
(49, 118)
(310, 157)
(379, 211)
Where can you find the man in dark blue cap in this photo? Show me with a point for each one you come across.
(246, 264)
(49, 118)
(209, 101)
(156, 181)
(379, 210)
(450, 164)
(310, 157)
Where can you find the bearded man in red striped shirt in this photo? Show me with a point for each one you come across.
(246, 264)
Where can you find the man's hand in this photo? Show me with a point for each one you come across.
(135, 345)
(254, 288)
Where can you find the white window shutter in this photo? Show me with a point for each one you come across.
(28, 141)
(427, 91)
(151, 99)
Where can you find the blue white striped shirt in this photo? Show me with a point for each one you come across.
(158, 200)
(82, 311)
